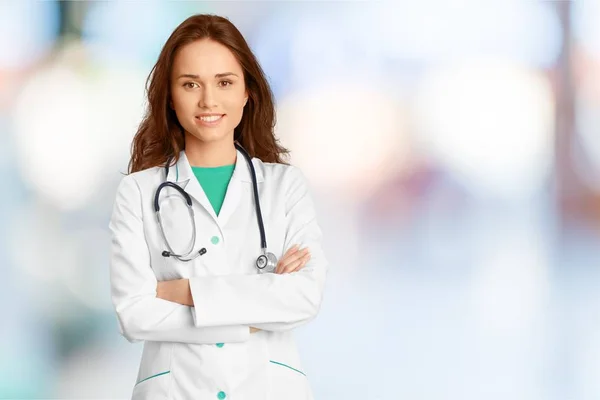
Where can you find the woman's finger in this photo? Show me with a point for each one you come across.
(290, 267)
(291, 250)
(288, 253)
(303, 262)
(292, 258)
(288, 257)
(296, 265)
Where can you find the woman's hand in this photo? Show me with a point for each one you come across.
(293, 260)
(178, 290)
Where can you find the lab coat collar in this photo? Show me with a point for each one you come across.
(182, 171)
(242, 169)
(182, 174)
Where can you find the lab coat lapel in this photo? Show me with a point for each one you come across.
(188, 181)
(234, 190)
(240, 188)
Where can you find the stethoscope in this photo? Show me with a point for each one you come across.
(266, 262)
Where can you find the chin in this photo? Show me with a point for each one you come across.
(209, 135)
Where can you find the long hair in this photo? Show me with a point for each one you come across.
(160, 136)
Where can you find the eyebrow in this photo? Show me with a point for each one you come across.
(193, 76)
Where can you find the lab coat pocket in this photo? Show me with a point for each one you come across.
(154, 376)
(287, 382)
(154, 387)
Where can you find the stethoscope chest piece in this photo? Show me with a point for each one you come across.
(266, 263)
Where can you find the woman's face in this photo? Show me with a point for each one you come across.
(208, 92)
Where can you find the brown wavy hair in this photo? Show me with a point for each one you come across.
(160, 136)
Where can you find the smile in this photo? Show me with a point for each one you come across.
(209, 120)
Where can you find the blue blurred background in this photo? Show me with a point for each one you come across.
(454, 154)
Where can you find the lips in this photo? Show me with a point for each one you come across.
(209, 120)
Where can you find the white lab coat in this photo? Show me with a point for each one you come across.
(206, 351)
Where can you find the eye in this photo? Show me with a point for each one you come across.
(189, 85)
(228, 83)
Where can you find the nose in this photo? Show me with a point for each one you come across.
(207, 98)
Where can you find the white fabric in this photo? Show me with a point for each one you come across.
(181, 359)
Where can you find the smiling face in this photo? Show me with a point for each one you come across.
(208, 91)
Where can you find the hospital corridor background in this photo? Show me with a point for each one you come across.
(453, 150)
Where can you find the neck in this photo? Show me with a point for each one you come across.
(210, 154)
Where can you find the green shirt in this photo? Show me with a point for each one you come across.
(214, 182)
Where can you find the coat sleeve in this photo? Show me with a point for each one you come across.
(275, 302)
(141, 315)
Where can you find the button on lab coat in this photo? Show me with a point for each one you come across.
(206, 351)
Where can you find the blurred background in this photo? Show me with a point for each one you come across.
(454, 153)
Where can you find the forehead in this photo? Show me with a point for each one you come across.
(205, 58)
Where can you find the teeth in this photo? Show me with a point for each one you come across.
(211, 118)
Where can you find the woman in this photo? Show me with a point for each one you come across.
(214, 324)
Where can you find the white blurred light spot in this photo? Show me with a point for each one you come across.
(70, 126)
(344, 137)
(52, 138)
(491, 123)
